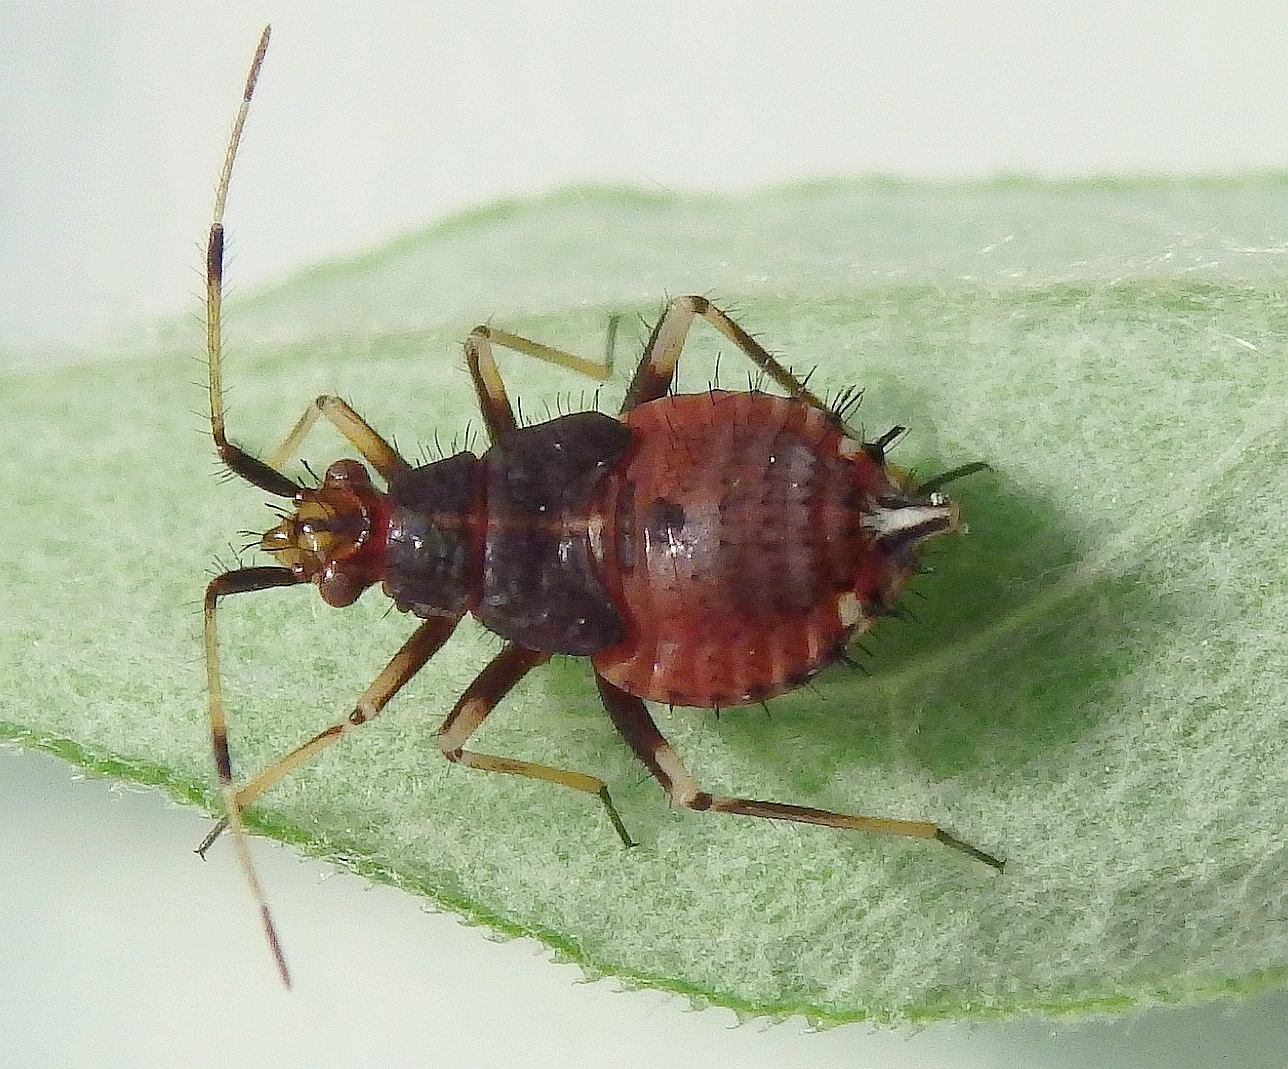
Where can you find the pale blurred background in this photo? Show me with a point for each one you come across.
(375, 118)
(122, 949)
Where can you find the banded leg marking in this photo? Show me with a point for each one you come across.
(656, 370)
(479, 699)
(494, 403)
(632, 720)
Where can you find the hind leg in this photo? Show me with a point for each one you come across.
(632, 720)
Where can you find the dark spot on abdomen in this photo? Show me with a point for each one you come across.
(665, 520)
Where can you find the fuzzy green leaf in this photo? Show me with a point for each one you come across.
(1095, 687)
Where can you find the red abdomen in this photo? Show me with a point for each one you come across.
(732, 537)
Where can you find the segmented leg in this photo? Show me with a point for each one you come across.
(482, 696)
(494, 403)
(424, 642)
(636, 726)
(656, 370)
(241, 581)
(361, 435)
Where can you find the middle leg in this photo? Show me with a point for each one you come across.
(481, 697)
(494, 403)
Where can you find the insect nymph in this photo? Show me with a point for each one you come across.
(709, 550)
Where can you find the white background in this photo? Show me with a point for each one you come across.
(374, 118)
(119, 948)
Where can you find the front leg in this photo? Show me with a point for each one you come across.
(424, 642)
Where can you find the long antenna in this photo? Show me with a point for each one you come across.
(258, 473)
(214, 299)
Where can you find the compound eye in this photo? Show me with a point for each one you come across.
(338, 590)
